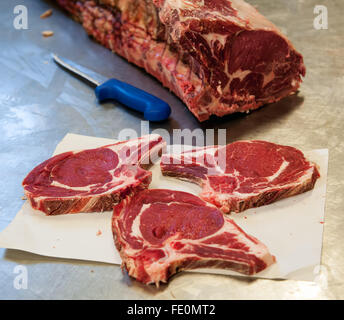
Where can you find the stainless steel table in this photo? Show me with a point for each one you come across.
(40, 103)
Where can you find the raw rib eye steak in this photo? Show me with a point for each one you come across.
(243, 174)
(94, 179)
(160, 232)
(217, 56)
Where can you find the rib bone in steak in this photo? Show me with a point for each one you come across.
(160, 232)
(243, 174)
(218, 56)
(92, 180)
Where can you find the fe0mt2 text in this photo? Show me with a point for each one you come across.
(175, 309)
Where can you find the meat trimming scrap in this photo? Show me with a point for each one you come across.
(160, 232)
(243, 174)
(217, 56)
(94, 179)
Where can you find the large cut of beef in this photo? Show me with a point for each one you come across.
(243, 174)
(218, 56)
(160, 232)
(94, 179)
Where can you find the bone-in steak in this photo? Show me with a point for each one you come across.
(160, 232)
(92, 180)
(243, 174)
(218, 56)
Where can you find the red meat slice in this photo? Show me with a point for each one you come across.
(243, 174)
(92, 180)
(161, 232)
(217, 56)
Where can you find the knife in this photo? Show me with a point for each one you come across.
(153, 108)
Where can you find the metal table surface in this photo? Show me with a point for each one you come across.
(40, 103)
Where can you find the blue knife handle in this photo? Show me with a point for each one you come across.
(153, 108)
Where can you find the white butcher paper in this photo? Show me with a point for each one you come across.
(291, 228)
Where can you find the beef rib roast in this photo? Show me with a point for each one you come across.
(217, 56)
(94, 179)
(159, 232)
(243, 174)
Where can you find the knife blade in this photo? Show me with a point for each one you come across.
(153, 108)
